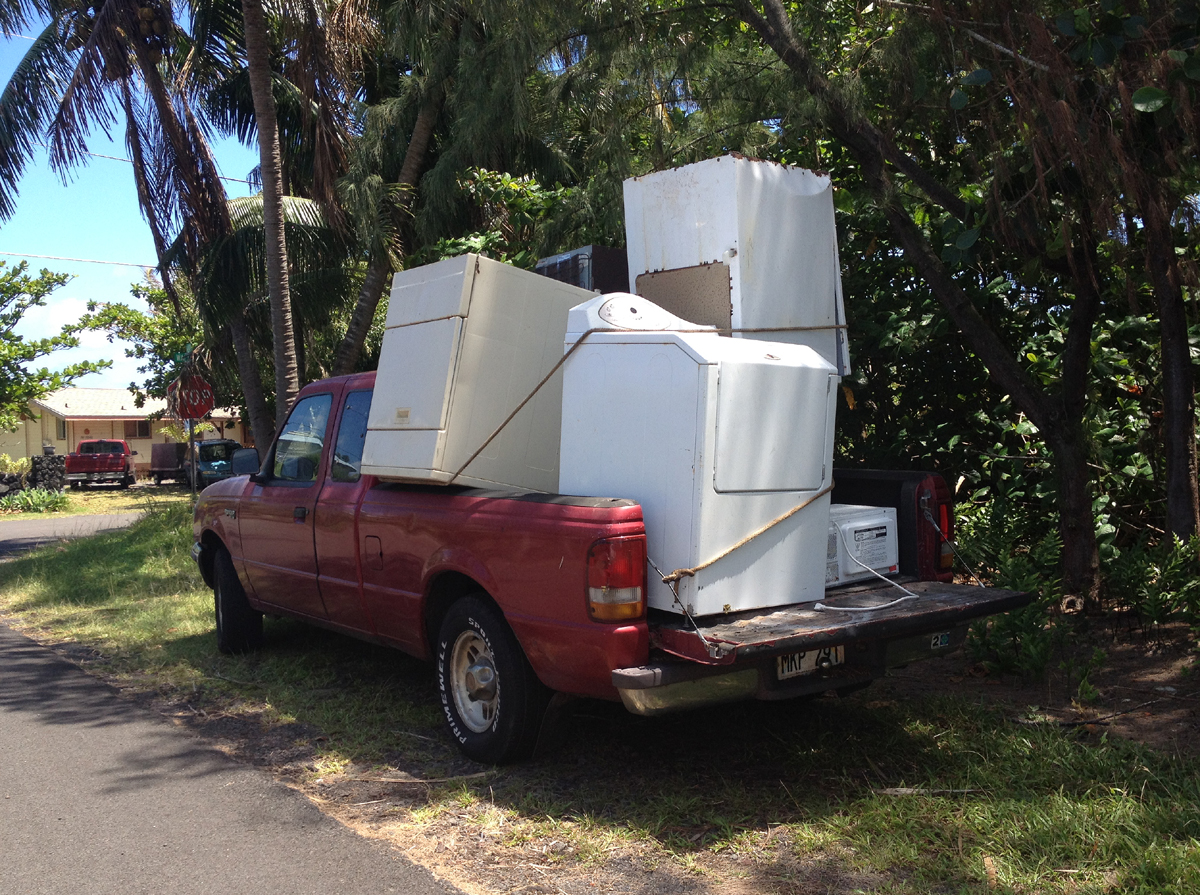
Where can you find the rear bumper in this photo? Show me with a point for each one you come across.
(739, 655)
(675, 685)
(109, 476)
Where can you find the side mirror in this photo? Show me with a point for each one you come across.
(133, 453)
(245, 461)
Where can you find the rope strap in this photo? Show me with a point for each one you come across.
(689, 573)
(562, 360)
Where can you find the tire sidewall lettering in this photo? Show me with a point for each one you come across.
(447, 699)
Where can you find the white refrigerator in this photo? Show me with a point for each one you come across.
(741, 244)
(466, 340)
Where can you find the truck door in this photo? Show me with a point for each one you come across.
(277, 515)
(336, 526)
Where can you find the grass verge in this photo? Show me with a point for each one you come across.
(860, 794)
(110, 499)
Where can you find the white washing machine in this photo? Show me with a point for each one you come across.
(714, 437)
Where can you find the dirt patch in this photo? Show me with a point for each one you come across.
(1147, 688)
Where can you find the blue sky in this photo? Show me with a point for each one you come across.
(95, 218)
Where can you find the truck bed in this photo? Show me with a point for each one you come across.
(747, 635)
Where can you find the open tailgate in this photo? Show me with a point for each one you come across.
(725, 639)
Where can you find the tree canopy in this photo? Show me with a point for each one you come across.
(1016, 187)
(19, 381)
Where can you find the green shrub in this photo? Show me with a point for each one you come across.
(34, 500)
(1015, 547)
(20, 466)
(1156, 580)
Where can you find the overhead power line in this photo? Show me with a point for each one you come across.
(117, 158)
(79, 260)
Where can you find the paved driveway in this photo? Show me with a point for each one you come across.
(99, 796)
(19, 535)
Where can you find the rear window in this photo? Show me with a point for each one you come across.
(102, 447)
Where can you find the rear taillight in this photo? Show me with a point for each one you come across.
(946, 560)
(935, 530)
(616, 588)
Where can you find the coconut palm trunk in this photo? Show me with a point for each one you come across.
(379, 266)
(287, 373)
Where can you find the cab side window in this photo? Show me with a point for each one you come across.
(348, 451)
(298, 451)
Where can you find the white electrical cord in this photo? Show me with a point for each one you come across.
(911, 595)
(953, 548)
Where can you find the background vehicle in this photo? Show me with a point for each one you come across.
(101, 461)
(212, 462)
(166, 461)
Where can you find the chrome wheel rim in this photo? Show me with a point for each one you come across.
(473, 681)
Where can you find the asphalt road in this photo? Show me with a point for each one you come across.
(99, 796)
(19, 535)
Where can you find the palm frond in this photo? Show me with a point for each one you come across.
(28, 103)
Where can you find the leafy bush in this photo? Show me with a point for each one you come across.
(1014, 548)
(1157, 581)
(34, 500)
(20, 466)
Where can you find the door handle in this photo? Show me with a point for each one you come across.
(299, 514)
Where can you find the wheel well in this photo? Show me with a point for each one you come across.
(211, 544)
(443, 592)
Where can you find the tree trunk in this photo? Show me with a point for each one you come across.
(379, 265)
(261, 426)
(287, 374)
(202, 192)
(376, 280)
(1179, 391)
(1063, 434)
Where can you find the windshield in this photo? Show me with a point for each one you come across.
(215, 453)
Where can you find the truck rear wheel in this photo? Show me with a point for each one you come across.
(239, 625)
(491, 697)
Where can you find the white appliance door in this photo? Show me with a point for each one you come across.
(432, 292)
(416, 375)
(774, 427)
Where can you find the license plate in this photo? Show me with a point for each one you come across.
(796, 664)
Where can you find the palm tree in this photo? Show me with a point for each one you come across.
(287, 375)
(84, 65)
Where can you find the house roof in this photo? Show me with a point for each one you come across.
(98, 404)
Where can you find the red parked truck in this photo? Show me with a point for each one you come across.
(516, 596)
(101, 461)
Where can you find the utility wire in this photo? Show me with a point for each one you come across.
(117, 158)
(80, 260)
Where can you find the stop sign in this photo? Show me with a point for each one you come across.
(190, 397)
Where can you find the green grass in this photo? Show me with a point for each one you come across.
(108, 499)
(1048, 809)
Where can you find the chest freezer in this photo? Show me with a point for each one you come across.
(465, 341)
(741, 244)
(714, 437)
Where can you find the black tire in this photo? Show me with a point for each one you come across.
(239, 625)
(492, 700)
(127, 481)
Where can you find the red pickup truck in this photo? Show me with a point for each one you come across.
(98, 461)
(516, 596)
